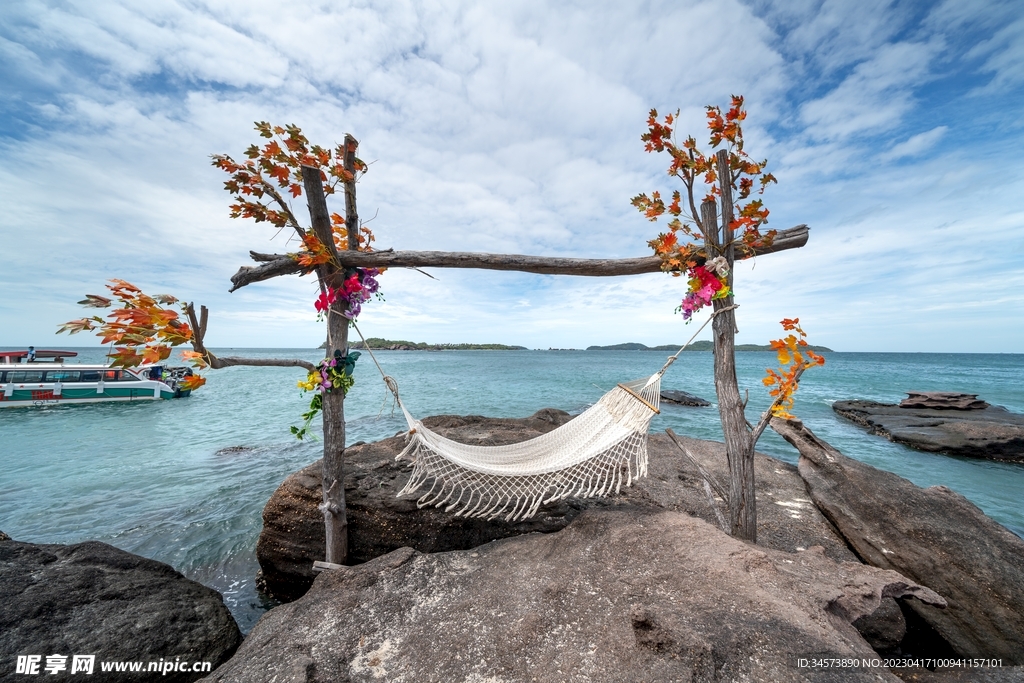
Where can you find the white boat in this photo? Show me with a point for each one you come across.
(61, 383)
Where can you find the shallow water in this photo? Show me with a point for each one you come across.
(185, 481)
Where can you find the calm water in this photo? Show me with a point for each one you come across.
(185, 481)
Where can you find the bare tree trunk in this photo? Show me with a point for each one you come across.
(738, 446)
(333, 402)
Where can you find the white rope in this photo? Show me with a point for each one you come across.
(674, 357)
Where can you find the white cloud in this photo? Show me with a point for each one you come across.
(915, 145)
(510, 127)
(1004, 57)
(875, 96)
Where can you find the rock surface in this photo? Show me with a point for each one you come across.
(943, 400)
(1000, 674)
(933, 536)
(293, 530)
(93, 599)
(682, 398)
(992, 432)
(619, 595)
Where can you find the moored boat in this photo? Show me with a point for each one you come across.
(53, 383)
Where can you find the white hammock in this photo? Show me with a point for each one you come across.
(588, 456)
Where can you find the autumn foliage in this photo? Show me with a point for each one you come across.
(794, 357)
(682, 246)
(142, 328)
(703, 251)
(262, 183)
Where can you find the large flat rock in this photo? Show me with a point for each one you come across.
(293, 530)
(93, 599)
(621, 595)
(933, 536)
(991, 432)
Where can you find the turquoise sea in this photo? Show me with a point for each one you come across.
(185, 481)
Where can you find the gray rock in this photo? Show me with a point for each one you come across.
(682, 398)
(885, 628)
(992, 432)
(933, 536)
(93, 599)
(619, 595)
(293, 530)
(943, 400)
(974, 674)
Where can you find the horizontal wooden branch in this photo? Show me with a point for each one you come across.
(199, 345)
(227, 361)
(280, 264)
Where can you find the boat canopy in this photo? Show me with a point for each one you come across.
(19, 356)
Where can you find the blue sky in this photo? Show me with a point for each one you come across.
(894, 129)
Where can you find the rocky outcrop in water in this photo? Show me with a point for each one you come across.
(619, 595)
(942, 400)
(93, 599)
(682, 398)
(988, 432)
(933, 536)
(293, 529)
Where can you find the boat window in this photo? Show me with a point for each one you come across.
(125, 376)
(25, 376)
(63, 376)
(90, 375)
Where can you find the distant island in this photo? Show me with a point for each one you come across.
(378, 344)
(702, 345)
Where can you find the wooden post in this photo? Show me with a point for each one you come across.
(738, 447)
(351, 215)
(333, 506)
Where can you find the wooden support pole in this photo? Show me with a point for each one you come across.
(738, 447)
(333, 402)
(351, 214)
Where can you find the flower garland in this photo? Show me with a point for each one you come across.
(354, 291)
(707, 283)
(332, 374)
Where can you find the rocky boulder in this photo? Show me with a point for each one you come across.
(619, 595)
(93, 599)
(682, 398)
(293, 530)
(943, 400)
(991, 432)
(933, 536)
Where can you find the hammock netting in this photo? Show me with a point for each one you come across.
(593, 454)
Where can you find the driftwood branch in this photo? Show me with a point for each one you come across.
(215, 362)
(227, 361)
(709, 482)
(256, 256)
(281, 264)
